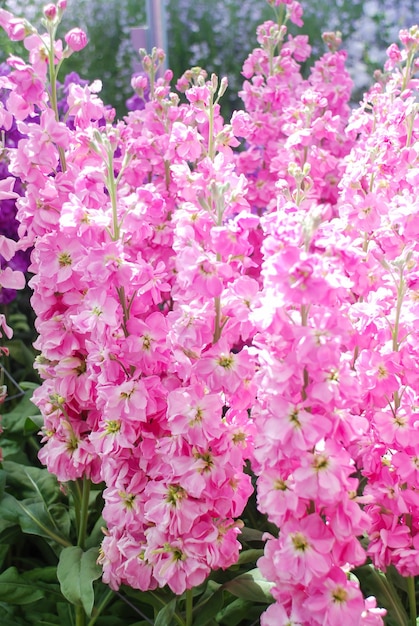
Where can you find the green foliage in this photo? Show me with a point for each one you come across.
(375, 582)
(76, 572)
(46, 578)
(16, 589)
(250, 586)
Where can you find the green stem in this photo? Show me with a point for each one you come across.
(408, 69)
(304, 314)
(189, 607)
(52, 74)
(211, 146)
(53, 89)
(125, 309)
(280, 15)
(217, 324)
(100, 608)
(80, 616)
(400, 296)
(84, 510)
(111, 185)
(152, 75)
(76, 493)
(167, 174)
(411, 592)
(409, 122)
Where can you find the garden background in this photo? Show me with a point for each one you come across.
(218, 45)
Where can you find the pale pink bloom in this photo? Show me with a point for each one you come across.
(372, 615)
(194, 412)
(335, 600)
(98, 311)
(292, 424)
(6, 190)
(169, 506)
(302, 552)
(11, 279)
(278, 498)
(385, 541)
(15, 28)
(223, 369)
(128, 400)
(324, 474)
(8, 247)
(277, 615)
(4, 327)
(6, 118)
(113, 435)
(186, 142)
(124, 503)
(122, 558)
(179, 563)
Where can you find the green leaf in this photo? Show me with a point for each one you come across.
(4, 549)
(46, 574)
(374, 582)
(18, 350)
(165, 615)
(251, 534)
(240, 611)
(96, 534)
(2, 481)
(397, 579)
(250, 586)
(32, 482)
(76, 572)
(156, 599)
(14, 620)
(249, 556)
(32, 425)
(235, 612)
(14, 422)
(32, 517)
(61, 516)
(65, 613)
(208, 610)
(14, 589)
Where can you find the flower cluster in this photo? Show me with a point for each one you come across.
(199, 307)
(140, 231)
(337, 375)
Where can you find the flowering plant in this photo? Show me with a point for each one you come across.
(213, 323)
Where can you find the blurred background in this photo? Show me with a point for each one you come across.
(217, 35)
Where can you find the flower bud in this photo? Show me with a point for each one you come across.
(50, 12)
(76, 39)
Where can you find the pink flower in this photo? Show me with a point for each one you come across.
(4, 327)
(6, 189)
(336, 600)
(50, 11)
(302, 552)
(15, 28)
(11, 279)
